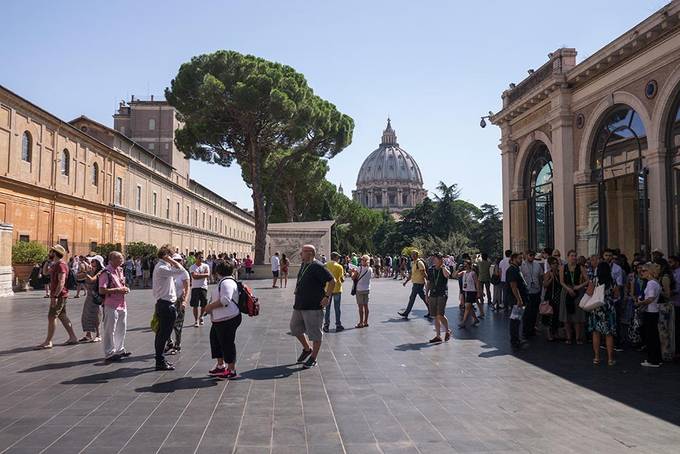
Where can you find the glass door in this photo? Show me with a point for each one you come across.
(587, 210)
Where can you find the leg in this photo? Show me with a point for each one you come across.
(227, 339)
(63, 318)
(437, 325)
(166, 316)
(652, 337)
(336, 304)
(421, 293)
(411, 301)
(215, 346)
(567, 328)
(365, 314)
(51, 327)
(119, 332)
(327, 316)
(578, 328)
(596, 344)
(110, 317)
(179, 324)
(316, 346)
(609, 340)
(303, 341)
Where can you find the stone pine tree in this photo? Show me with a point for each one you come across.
(261, 114)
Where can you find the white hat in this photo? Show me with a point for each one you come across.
(98, 258)
(177, 257)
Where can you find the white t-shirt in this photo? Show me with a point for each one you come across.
(469, 284)
(276, 263)
(179, 285)
(227, 293)
(653, 290)
(503, 266)
(203, 269)
(366, 273)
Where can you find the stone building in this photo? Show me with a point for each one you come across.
(590, 151)
(389, 179)
(81, 183)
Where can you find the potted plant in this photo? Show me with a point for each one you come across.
(25, 254)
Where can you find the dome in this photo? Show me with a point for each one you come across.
(389, 163)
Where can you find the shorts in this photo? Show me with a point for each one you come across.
(249, 270)
(58, 308)
(307, 322)
(275, 273)
(362, 297)
(471, 297)
(437, 305)
(146, 274)
(199, 296)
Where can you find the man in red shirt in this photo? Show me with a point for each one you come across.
(58, 296)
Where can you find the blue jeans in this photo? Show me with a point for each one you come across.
(416, 290)
(336, 305)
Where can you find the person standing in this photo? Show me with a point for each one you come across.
(248, 265)
(419, 279)
(276, 268)
(129, 271)
(285, 264)
(484, 268)
(437, 289)
(138, 272)
(200, 272)
(650, 324)
(182, 291)
(81, 268)
(602, 320)
(532, 272)
(470, 291)
(146, 270)
(553, 294)
(503, 266)
(338, 273)
(362, 277)
(113, 287)
(516, 295)
(312, 294)
(164, 274)
(58, 272)
(91, 316)
(573, 279)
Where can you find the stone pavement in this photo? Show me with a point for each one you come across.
(377, 389)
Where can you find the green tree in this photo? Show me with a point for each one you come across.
(261, 114)
(140, 249)
(105, 249)
(489, 237)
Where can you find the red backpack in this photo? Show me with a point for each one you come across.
(247, 301)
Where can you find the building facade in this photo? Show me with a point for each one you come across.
(590, 151)
(389, 179)
(81, 184)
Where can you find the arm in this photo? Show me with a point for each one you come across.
(584, 279)
(185, 286)
(515, 291)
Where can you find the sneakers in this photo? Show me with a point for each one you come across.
(196, 324)
(339, 328)
(403, 314)
(303, 356)
(164, 366)
(447, 336)
(201, 322)
(475, 323)
(646, 363)
(435, 340)
(227, 374)
(325, 328)
(217, 371)
(311, 362)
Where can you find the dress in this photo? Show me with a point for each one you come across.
(603, 319)
(91, 317)
(666, 323)
(553, 294)
(569, 310)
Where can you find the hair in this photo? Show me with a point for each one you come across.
(224, 268)
(508, 252)
(335, 255)
(199, 255)
(571, 251)
(548, 250)
(485, 256)
(604, 274)
(514, 255)
(608, 249)
(97, 266)
(553, 261)
(164, 250)
(531, 253)
(113, 254)
(653, 269)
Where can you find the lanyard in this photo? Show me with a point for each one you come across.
(437, 273)
(300, 276)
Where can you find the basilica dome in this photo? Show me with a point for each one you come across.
(389, 178)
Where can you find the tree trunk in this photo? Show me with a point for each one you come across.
(260, 223)
(290, 206)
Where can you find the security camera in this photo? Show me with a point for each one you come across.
(482, 123)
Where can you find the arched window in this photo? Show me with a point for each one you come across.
(26, 146)
(95, 174)
(673, 141)
(65, 162)
(541, 219)
(620, 140)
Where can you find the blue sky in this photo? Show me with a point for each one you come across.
(435, 67)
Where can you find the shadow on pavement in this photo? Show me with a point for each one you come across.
(179, 384)
(414, 347)
(69, 364)
(105, 377)
(271, 373)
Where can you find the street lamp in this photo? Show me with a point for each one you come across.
(482, 123)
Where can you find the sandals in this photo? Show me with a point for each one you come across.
(611, 363)
(447, 336)
(75, 342)
(85, 340)
(596, 362)
(359, 325)
(43, 347)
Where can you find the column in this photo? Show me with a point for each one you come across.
(384, 197)
(399, 198)
(657, 194)
(6, 241)
(370, 198)
(507, 167)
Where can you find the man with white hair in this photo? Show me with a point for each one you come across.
(182, 293)
(114, 288)
(313, 291)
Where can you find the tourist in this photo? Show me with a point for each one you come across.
(503, 269)
(129, 270)
(45, 275)
(58, 294)
(471, 293)
(200, 272)
(553, 293)
(338, 273)
(226, 318)
(361, 278)
(546, 253)
(138, 272)
(666, 310)
(182, 292)
(495, 272)
(652, 292)
(419, 279)
(437, 290)
(573, 279)
(248, 265)
(602, 320)
(92, 313)
(147, 266)
(285, 265)
(533, 276)
(276, 268)
(312, 294)
(484, 268)
(674, 263)
(164, 274)
(113, 288)
(388, 266)
(73, 270)
(609, 256)
(516, 295)
(209, 261)
(80, 270)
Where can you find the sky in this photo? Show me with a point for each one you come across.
(434, 67)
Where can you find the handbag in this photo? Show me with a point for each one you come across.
(356, 281)
(516, 313)
(155, 323)
(545, 308)
(591, 302)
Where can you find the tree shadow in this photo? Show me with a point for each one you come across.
(17, 350)
(144, 329)
(179, 384)
(271, 373)
(69, 364)
(414, 347)
(105, 377)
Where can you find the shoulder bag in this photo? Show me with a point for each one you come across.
(354, 285)
(591, 302)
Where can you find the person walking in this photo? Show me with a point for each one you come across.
(91, 316)
(419, 279)
(532, 272)
(471, 292)
(437, 290)
(313, 290)
(276, 268)
(503, 266)
(113, 287)
(182, 291)
(226, 318)
(248, 265)
(285, 264)
(650, 324)
(200, 272)
(58, 293)
(361, 278)
(338, 273)
(164, 274)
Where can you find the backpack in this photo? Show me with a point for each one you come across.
(98, 298)
(247, 301)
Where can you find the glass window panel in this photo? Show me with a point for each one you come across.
(587, 219)
(519, 228)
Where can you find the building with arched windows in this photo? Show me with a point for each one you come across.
(389, 179)
(591, 151)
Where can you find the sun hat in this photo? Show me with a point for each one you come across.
(59, 249)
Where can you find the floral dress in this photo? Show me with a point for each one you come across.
(666, 322)
(603, 319)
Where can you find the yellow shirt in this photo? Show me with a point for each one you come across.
(338, 273)
(418, 272)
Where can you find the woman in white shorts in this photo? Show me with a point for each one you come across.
(362, 282)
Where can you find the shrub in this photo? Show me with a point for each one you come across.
(105, 249)
(140, 249)
(28, 253)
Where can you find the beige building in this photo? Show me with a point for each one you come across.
(590, 151)
(81, 183)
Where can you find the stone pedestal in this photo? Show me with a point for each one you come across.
(6, 260)
(288, 238)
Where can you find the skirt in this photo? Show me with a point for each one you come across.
(603, 320)
(578, 316)
(91, 317)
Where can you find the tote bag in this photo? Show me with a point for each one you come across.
(591, 302)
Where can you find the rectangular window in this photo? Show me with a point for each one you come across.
(210, 222)
(204, 219)
(188, 215)
(178, 210)
(152, 146)
(154, 202)
(195, 217)
(152, 124)
(93, 245)
(118, 191)
(138, 202)
(167, 208)
(24, 238)
(64, 243)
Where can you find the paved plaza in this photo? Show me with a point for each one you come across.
(377, 389)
